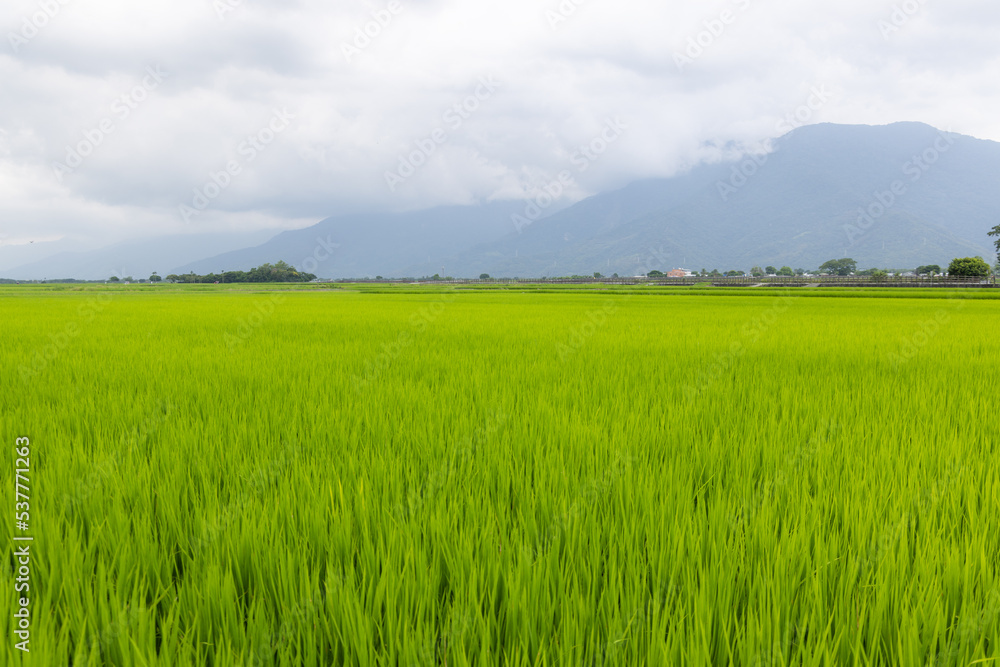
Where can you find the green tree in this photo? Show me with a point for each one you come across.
(155, 278)
(840, 267)
(786, 271)
(756, 272)
(735, 274)
(484, 276)
(113, 279)
(655, 274)
(996, 232)
(771, 271)
(969, 266)
(597, 274)
(930, 269)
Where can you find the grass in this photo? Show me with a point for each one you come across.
(421, 476)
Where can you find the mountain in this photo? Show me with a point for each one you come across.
(138, 258)
(356, 246)
(894, 196)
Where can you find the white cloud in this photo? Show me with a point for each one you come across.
(560, 80)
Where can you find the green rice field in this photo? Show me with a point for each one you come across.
(438, 476)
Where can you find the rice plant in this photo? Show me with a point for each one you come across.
(410, 476)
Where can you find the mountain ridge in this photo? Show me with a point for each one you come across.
(890, 196)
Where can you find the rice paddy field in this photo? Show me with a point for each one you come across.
(410, 476)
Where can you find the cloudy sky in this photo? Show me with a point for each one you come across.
(131, 119)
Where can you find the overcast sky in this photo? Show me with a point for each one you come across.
(128, 119)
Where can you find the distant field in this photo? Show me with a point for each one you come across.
(407, 475)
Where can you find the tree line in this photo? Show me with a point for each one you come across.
(963, 266)
(279, 272)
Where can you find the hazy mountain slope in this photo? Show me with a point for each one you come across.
(132, 258)
(800, 207)
(376, 244)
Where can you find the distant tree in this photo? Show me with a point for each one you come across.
(378, 278)
(930, 269)
(996, 232)
(155, 278)
(771, 271)
(597, 274)
(800, 272)
(655, 274)
(786, 271)
(969, 266)
(703, 273)
(715, 274)
(128, 279)
(840, 267)
(879, 275)
(113, 279)
(484, 276)
(735, 274)
(614, 275)
(756, 272)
